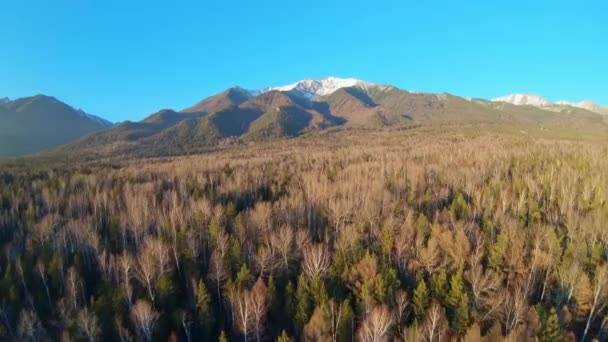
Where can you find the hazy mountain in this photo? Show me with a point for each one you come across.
(32, 124)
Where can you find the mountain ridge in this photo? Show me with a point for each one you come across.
(238, 115)
(36, 123)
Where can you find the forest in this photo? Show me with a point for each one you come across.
(373, 236)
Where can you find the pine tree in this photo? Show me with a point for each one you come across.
(243, 277)
(456, 289)
(290, 302)
(303, 303)
(459, 207)
(205, 309)
(458, 304)
(387, 242)
(497, 251)
(460, 316)
(549, 330)
(439, 286)
(421, 299)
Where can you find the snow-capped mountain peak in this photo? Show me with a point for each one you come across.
(541, 102)
(324, 86)
(525, 99)
(586, 104)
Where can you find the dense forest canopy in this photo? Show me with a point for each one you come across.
(377, 236)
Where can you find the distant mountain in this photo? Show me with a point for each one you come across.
(524, 100)
(241, 116)
(33, 124)
(541, 102)
(586, 104)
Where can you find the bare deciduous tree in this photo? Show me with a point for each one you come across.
(88, 326)
(144, 317)
(316, 260)
(376, 327)
(435, 323)
(600, 283)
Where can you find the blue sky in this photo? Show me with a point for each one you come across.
(126, 59)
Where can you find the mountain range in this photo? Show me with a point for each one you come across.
(238, 116)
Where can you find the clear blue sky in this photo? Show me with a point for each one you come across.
(125, 59)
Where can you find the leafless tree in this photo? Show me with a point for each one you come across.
(265, 261)
(258, 296)
(144, 318)
(242, 311)
(125, 266)
(282, 241)
(435, 323)
(401, 305)
(376, 327)
(316, 260)
(600, 283)
(153, 262)
(217, 270)
(88, 326)
(513, 308)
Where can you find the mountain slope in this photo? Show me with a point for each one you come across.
(238, 116)
(224, 100)
(32, 124)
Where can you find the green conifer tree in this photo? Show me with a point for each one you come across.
(549, 329)
(439, 286)
(497, 251)
(205, 309)
(304, 305)
(421, 299)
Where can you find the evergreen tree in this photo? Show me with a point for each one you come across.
(456, 289)
(243, 277)
(421, 299)
(205, 309)
(549, 329)
(460, 316)
(459, 207)
(497, 252)
(458, 304)
(290, 302)
(439, 286)
(304, 305)
(387, 242)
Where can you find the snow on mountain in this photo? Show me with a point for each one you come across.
(541, 102)
(586, 104)
(525, 99)
(311, 89)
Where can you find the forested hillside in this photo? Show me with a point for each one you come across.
(374, 236)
